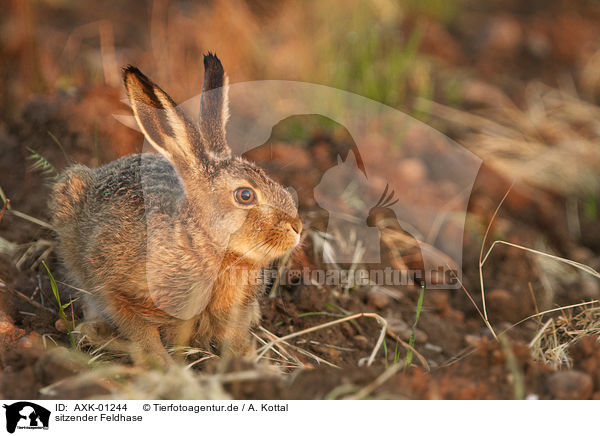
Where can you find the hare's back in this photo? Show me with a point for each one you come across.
(146, 181)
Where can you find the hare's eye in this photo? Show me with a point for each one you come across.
(245, 196)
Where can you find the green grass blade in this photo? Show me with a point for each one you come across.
(411, 342)
(61, 308)
(41, 163)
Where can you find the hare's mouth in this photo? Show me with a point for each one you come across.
(276, 242)
(276, 246)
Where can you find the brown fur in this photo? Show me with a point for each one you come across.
(160, 241)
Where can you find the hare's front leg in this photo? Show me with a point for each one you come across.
(180, 334)
(147, 347)
(235, 336)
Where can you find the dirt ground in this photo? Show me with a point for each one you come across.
(487, 60)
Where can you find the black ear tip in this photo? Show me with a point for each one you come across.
(131, 70)
(212, 63)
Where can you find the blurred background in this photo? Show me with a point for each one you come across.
(516, 83)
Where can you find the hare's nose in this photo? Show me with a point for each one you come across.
(296, 225)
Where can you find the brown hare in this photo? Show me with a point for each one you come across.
(171, 246)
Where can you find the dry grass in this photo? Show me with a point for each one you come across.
(551, 143)
(104, 368)
(552, 341)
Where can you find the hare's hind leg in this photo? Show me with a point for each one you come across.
(95, 328)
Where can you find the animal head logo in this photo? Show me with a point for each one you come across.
(26, 415)
(345, 193)
(344, 188)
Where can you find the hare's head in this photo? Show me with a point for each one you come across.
(231, 199)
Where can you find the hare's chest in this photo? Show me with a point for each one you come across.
(236, 286)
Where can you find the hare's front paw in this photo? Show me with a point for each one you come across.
(237, 343)
(156, 359)
(254, 314)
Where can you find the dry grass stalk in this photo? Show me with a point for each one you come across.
(550, 345)
(382, 321)
(552, 143)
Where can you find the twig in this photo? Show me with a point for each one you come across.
(31, 219)
(487, 230)
(382, 321)
(574, 264)
(262, 341)
(550, 311)
(489, 326)
(6, 204)
(540, 333)
(25, 298)
(298, 349)
(74, 287)
(397, 338)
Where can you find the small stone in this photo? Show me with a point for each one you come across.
(33, 339)
(361, 342)
(334, 355)
(570, 385)
(420, 337)
(378, 299)
(473, 340)
(60, 325)
(433, 348)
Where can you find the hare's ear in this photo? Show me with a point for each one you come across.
(163, 125)
(214, 107)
